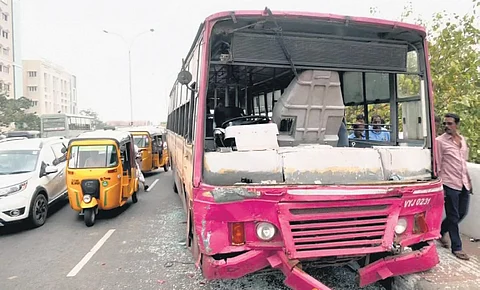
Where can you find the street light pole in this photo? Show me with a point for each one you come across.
(129, 46)
(130, 84)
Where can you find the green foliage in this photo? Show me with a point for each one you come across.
(455, 68)
(15, 111)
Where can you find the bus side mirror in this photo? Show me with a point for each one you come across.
(64, 150)
(184, 77)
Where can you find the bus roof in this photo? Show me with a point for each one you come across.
(118, 136)
(315, 15)
(381, 25)
(150, 129)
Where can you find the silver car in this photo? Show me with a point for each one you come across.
(32, 177)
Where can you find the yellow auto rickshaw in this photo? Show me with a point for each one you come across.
(101, 172)
(151, 146)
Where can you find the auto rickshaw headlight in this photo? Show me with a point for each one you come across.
(87, 198)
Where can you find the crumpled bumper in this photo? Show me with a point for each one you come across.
(252, 261)
(412, 262)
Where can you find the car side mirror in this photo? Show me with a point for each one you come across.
(50, 170)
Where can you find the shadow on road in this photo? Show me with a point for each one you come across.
(25, 225)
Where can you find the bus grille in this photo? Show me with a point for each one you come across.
(338, 228)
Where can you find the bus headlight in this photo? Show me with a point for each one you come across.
(87, 198)
(401, 226)
(265, 231)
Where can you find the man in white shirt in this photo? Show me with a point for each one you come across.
(141, 178)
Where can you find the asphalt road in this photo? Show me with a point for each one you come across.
(140, 246)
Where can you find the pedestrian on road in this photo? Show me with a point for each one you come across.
(141, 178)
(452, 156)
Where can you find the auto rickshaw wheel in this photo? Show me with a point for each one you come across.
(134, 197)
(89, 216)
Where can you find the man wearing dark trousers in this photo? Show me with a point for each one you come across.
(452, 156)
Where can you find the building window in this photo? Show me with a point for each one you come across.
(32, 74)
(32, 88)
(6, 69)
(6, 51)
(5, 34)
(35, 103)
(5, 16)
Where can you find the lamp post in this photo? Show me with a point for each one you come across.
(129, 46)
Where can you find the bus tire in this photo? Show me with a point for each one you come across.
(174, 175)
(192, 241)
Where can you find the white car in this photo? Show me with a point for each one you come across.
(32, 177)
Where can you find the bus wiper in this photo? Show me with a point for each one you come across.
(278, 32)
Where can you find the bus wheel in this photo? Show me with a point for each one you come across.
(134, 197)
(192, 241)
(175, 189)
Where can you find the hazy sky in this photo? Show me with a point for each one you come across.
(70, 34)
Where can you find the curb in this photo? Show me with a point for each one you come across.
(450, 273)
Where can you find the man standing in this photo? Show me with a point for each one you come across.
(452, 156)
(141, 178)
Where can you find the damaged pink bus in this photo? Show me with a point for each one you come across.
(265, 160)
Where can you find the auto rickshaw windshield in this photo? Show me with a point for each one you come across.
(141, 141)
(93, 156)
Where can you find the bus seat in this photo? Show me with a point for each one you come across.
(222, 114)
(315, 104)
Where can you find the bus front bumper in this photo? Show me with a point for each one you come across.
(256, 260)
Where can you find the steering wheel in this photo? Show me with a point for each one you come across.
(257, 119)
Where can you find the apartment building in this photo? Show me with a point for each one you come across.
(6, 48)
(50, 87)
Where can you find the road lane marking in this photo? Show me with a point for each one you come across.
(90, 254)
(153, 184)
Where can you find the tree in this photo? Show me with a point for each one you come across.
(97, 122)
(15, 111)
(455, 68)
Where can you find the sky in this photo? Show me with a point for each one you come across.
(70, 33)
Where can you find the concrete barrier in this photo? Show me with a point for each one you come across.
(470, 226)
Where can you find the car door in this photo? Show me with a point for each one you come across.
(51, 181)
(60, 162)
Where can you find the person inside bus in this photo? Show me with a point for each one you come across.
(358, 131)
(378, 133)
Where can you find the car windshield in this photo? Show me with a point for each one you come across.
(17, 161)
(141, 141)
(93, 156)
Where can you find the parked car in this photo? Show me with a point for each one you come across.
(32, 177)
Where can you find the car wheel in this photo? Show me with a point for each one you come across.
(39, 210)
